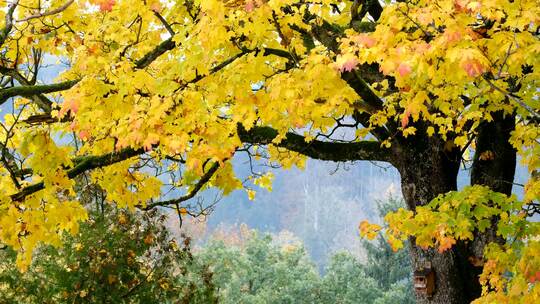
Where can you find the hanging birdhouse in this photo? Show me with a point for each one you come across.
(424, 280)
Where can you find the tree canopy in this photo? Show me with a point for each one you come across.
(161, 95)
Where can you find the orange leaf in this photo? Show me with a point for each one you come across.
(446, 243)
(473, 67)
(368, 230)
(106, 5)
(404, 69)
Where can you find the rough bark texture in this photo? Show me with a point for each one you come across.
(429, 167)
(494, 166)
(497, 167)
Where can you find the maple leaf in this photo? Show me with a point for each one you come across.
(368, 230)
(250, 6)
(534, 277)
(445, 243)
(404, 69)
(387, 67)
(251, 194)
(452, 36)
(106, 5)
(70, 105)
(156, 7)
(84, 135)
(461, 5)
(364, 40)
(424, 17)
(346, 63)
(473, 67)
(405, 119)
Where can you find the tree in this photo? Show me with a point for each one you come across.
(249, 267)
(181, 87)
(258, 271)
(346, 282)
(388, 267)
(117, 257)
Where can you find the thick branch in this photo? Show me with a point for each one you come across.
(83, 164)
(159, 50)
(494, 161)
(372, 102)
(332, 151)
(41, 100)
(32, 90)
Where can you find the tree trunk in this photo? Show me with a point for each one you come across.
(429, 167)
(494, 165)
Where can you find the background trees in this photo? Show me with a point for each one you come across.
(159, 97)
(124, 257)
(252, 268)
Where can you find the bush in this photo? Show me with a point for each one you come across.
(117, 257)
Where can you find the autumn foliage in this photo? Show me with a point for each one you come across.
(161, 95)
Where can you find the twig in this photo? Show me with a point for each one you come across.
(165, 23)
(48, 13)
(514, 98)
(198, 186)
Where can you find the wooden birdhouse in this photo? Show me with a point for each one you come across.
(424, 280)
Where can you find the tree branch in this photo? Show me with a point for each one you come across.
(48, 13)
(165, 23)
(4, 33)
(83, 164)
(41, 100)
(328, 36)
(514, 98)
(37, 90)
(159, 50)
(371, 101)
(322, 150)
(198, 186)
(33, 90)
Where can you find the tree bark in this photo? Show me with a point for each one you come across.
(494, 165)
(495, 159)
(429, 167)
